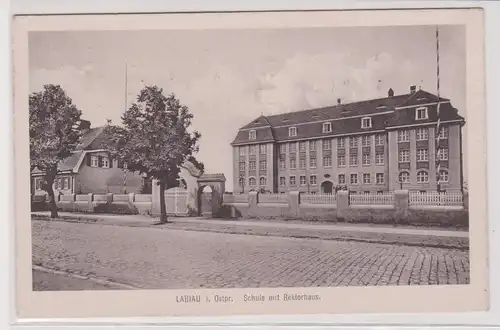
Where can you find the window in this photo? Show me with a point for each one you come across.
(353, 160)
(327, 127)
(242, 151)
(252, 182)
(442, 154)
(353, 142)
(262, 165)
(293, 163)
(241, 182)
(367, 159)
(94, 161)
(404, 156)
(262, 149)
(403, 136)
(341, 143)
(303, 180)
(282, 164)
(341, 178)
(105, 162)
(292, 181)
(312, 162)
(327, 144)
(379, 140)
(283, 148)
(379, 158)
(443, 176)
(366, 140)
(242, 166)
(327, 161)
(293, 147)
(302, 146)
(341, 161)
(422, 155)
(422, 177)
(252, 165)
(404, 177)
(252, 135)
(56, 184)
(262, 181)
(38, 184)
(422, 134)
(292, 131)
(282, 181)
(312, 145)
(380, 178)
(367, 178)
(354, 178)
(366, 122)
(443, 132)
(125, 166)
(253, 150)
(302, 163)
(312, 179)
(421, 113)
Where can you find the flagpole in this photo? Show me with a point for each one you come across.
(125, 110)
(438, 124)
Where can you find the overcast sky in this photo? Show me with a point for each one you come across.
(228, 78)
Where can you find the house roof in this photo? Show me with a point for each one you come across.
(93, 139)
(346, 118)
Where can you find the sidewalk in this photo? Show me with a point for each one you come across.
(330, 231)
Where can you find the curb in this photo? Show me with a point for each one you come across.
(87, 278)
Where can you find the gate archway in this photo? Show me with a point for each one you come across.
(327, 187)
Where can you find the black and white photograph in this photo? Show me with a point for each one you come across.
(249, 158)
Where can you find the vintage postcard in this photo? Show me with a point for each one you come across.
(220, 164)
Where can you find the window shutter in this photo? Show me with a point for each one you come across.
(89, 159)
(100, 161)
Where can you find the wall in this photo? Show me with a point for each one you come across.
(396, 211)
(106, 180)
(105, 203)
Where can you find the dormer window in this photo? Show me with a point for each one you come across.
(366, 122)
(252, 135)
(327, 127)
(292, 131)
(421, 113)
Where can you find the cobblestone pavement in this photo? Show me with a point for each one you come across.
(152, 258)
(45, 281)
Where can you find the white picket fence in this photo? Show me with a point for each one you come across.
(318, 199)
(385, 198)
(434, 198)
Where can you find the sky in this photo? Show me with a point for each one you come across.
(229, 77)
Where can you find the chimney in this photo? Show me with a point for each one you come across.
(390, 92)
(339, 101)
(413, 88)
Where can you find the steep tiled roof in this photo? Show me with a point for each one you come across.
(385, 112)
(93, 139)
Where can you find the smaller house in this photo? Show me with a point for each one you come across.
(90, 169)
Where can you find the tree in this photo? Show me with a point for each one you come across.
(54, 123)
(154, 139)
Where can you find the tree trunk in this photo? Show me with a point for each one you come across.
(52, 199)
(163, 208)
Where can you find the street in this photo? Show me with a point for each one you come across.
(165, 258)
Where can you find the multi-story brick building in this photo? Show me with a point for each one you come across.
(375, 145)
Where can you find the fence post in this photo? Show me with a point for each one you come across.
(131, 201)
(342, 204)
(294, 203)
(109, 198)
(465, 200)
(401, 205)
(91, 202)
(253, 200)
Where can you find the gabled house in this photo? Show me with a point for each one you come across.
(90, 169)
